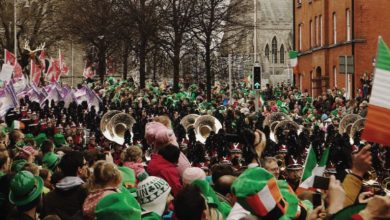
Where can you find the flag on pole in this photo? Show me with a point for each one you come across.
(64, 69)
(293, 55)
(313, 168)
(9, 58)
(89, 72)
(42, 58)
(54, 71)
(35, 72)
(377, 125)
(8, 99)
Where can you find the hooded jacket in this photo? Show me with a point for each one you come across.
(66, 200)
(160, 167)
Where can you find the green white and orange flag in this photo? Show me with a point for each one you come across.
(313, 168)
(293, 55)
(377, 126)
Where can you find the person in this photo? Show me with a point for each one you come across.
(294, 172)
(193, 173)
(5, 178)
(69, 193)
(105, 180)
(271, 165)
(26, 203)
(164, 165)
(132, 158)
(154, 196)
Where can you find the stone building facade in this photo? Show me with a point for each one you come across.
(274, 35)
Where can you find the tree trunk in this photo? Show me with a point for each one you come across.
(142, 63)
(176, 68)
(208, 72)
(125, 57)
(102, 63)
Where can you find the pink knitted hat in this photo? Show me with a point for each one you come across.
(193, 173)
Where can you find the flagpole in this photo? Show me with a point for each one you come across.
(15, 35)
(72, 62)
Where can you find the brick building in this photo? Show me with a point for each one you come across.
(324, 30)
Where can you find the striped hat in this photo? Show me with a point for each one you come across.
(257, 191)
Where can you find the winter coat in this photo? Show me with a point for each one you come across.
(66, 200)
(160, 167)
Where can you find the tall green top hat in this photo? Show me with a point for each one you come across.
(51, 160)
(25, 188)
(257, 191)
(128, 178)
(118, 206)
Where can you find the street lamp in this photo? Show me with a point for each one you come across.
(26, 5)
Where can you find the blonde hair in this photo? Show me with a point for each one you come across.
(105, 173)
(132, 154)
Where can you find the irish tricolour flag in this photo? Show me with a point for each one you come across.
(313, 168)
(377, 126)
(293, 55)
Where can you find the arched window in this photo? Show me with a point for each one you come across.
(267, 51)
(274, 50)
(281, 54)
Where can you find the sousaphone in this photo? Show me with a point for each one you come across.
(118, 125)
(105, 121)
(188, 121)
(285, 127)
(358, 126)
(348, 119)
(204, 125)
(276, 116)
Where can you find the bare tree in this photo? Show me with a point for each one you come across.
(92, 22)
(216, 17)
(37, 23)
(141, 19)
(176, 32)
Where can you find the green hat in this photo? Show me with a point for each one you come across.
(257, 191)
(40, 138)
(17, 165)
(25, 188)
(346, 213)
(59, 139)
(128, 178)
(29, 136)
(118, 206)
(51, 160)
(211, 197)
(293, 202)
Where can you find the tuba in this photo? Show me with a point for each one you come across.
(345, 122)
(284, 127)
(386, 185)
(104, 124)
(188, 121)
(114, 124)
(204, 125)
(276, 116)
(358, 126)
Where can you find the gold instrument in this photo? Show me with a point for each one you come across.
(386, 185)
(285, 127)
(188, 121)
(204, 125)
(276, 116)
(358, 126)
(114, 125)
(346, 120)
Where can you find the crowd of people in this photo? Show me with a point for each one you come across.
(55, 162)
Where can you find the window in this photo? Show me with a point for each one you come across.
(320, 30)
(316, 32)
(267, 51)
(274, 50)
(334, 28)
(300, 37)
(335, 76)
(311, 33)
(281, 54)
(348, 14)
